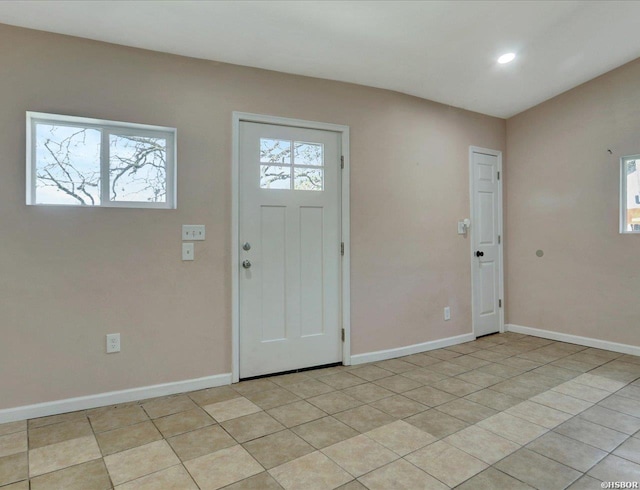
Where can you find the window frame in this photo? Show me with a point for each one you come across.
(106, 128)
(623, 194)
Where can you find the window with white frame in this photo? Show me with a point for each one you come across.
(280, 160)
(630, 194)
(78, 161)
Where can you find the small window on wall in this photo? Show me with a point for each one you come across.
(76, 161)
(630, 194)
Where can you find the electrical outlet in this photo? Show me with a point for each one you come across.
(113, 343)
(447, 313)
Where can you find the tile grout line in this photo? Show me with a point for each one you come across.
(585, 473)
(181, 463)
(552, 430)
(95, 436)
(448, 376)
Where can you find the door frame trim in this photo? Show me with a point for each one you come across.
(237, 118)
(498, 154)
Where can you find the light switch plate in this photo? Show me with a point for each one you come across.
(193, 232)
(187, 251)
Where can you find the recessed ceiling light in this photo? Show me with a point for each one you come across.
(506, 58)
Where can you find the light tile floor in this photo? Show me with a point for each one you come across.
(506, 411)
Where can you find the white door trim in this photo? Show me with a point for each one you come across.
(497, 154)
(237, 118)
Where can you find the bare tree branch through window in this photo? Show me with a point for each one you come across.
(68, 166)
(277, 166)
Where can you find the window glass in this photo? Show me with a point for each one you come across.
(89, 162)
(630, 205)
(308, 179)
(137, 168)
(275, 151)
(67, 165)
(275, 177)
(307, 157)
(308, 154)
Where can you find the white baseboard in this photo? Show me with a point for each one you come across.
(111, 398)
(576, 339)
(383, 355)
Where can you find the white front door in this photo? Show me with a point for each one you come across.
(486, 218)
(289, 233)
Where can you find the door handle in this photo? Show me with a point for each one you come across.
(479, 254)
(246, 264)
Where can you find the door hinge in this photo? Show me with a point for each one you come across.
(499, 239)
(499, 303)
(342, 248)
(342, 161)
(343, 334)
(498, 175)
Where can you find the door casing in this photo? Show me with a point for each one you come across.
(498, 154)
(237, 118)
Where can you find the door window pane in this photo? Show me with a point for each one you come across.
(275, 151)
(308, 179)
(275, 177)
(308, 154)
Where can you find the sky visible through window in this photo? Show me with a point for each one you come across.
(277, 166)
(68, 166)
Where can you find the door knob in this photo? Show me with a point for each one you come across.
(246, 246)
(246, 264)
(479, 254)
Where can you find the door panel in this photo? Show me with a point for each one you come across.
(290, 216)
(272, 255)
(311, 276)
(485, 172)
(485, 229)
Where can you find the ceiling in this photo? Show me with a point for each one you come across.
(439, 50)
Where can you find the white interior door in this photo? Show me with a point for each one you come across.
(289, 230)
(486, 219)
